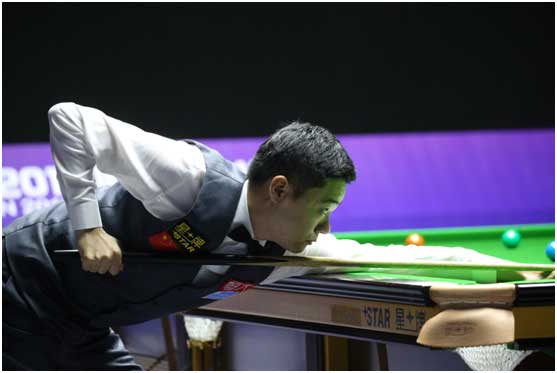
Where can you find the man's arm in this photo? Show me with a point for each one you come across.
(151, 167)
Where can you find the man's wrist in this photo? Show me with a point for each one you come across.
(85, 215)
(80, 232)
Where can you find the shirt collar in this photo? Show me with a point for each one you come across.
(242, 214)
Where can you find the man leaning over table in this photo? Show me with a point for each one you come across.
(169, 195)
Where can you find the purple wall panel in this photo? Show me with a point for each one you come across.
(410, 180)
(28, 180)
(449, 179)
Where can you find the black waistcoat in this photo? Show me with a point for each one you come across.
(60, 292)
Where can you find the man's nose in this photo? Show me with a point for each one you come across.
(324, 227)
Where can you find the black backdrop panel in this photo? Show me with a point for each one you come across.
(215, 70)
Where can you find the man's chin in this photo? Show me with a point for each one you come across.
(298, 247)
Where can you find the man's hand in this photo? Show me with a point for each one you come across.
(99, 251)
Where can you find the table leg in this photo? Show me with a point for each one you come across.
(182, 358)
(314, 352)
(336, 353)
(382, 356)
(169, 341)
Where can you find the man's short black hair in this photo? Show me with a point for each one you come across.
(306, 154)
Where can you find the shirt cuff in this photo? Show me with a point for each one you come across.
(85, 215)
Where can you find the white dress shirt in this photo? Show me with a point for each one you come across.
(166, 176)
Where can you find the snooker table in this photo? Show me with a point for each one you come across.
(388, 307)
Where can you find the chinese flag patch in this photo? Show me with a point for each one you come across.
(163, 242)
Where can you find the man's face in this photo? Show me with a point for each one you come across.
(298, 221)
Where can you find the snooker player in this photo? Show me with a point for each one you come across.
(169, 195)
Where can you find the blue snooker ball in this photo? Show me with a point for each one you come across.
(550, 251)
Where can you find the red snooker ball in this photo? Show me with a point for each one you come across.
(415, 239)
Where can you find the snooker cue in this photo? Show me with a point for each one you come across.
(308, 261)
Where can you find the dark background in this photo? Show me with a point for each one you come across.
(225, 70)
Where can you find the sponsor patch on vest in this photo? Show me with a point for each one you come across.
(230, 288)
(181, 236)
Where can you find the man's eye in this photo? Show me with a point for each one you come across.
(324, 211)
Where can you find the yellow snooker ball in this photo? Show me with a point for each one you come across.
(415, 239)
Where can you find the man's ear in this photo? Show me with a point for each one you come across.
(279, 188)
